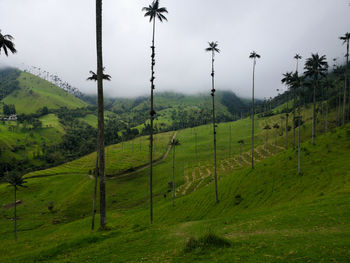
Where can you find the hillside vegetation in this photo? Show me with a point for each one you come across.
(33, 93)
(267, 214)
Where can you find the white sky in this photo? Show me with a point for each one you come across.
(59, 36)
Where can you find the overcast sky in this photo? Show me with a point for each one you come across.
(59, 36)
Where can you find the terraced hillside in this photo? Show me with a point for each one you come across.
(269, 214)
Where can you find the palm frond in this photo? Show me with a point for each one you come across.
(154, 11)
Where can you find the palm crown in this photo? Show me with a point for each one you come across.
(315, 65)
(7, 44)
(213, 47)
(175, 142)
(295, 81)
(15, 180)
(345, 38)
(287, 77)
(254, 55)
(297, 56)
(94, 76)
(154, 11)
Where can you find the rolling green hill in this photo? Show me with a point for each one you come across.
(33, 93)
(193, 110)
(269, 214)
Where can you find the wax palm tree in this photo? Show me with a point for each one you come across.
(213, 48)
(100, 137)
(346, 39)
(253, 55)
(287, 78)
(6, 44)
(15, 180)
(296, 83)
(296, 57)
(153, 11)
(174, 143)
(94, 78)
(315, 67)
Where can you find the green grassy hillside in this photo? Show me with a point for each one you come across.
(33, 93)
(193, 110)
(269, 214)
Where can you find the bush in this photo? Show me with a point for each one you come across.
(209, 240)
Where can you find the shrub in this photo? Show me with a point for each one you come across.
(209, 240)
(50, 206)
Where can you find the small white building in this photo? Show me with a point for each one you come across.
(12, 117)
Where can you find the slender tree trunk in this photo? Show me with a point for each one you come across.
(314, 113)
(230, 138)
(195, 139)
(100, 141)
(152, 113)
(281, 125)
(240, 152)
(326, 128)
(174, 175)
(346, 75)
(253, 111)
(15, 214)
(299, 168)
(293, 118)
(344, 101)
(322, 108)
(287, 131)
(326, 120)
(339, 106)
(214, 128)
(95, 195)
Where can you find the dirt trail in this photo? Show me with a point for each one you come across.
(145, 166)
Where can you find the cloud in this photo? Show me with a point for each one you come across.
(59, 36)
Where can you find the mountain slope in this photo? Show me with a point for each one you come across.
(33, 93)
(176, 110)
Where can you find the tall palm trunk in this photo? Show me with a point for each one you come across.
(240, 152)
(214, 126)
(95, 195)
(339, 106)
(293, 118)
(15, 213)
(299, 164)
(345, 83)
(230, 139)
(314, 112)
(152, 118)
(100, 141)
(346, 75)
(253, 111)
(173, 175)
(326, 121)
(195, 140)
(287, 130)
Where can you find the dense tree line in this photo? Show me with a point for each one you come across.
(8, 81)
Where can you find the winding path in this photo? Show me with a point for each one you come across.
(145, 166)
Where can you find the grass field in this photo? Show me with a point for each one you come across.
(19, 142)
(269, 214)
(35, 93)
